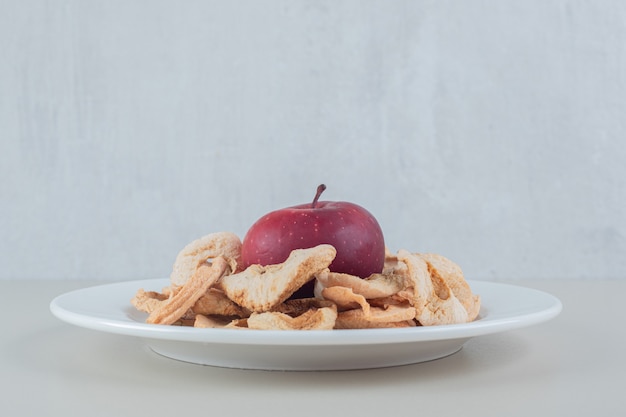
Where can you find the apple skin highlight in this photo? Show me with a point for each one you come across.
(351, 229)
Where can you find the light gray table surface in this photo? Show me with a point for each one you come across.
(572, 365)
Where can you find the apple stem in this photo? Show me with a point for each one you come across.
(320, 190)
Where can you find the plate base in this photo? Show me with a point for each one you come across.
(306, 358)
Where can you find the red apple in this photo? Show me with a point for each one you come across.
(352, 230)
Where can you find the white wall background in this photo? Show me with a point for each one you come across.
(492, 132)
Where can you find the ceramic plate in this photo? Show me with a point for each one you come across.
(107, 308)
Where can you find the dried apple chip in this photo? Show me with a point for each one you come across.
(314, 319)
(347, 323)
(433, 300)
(394, 300)
(215, 302)
(147, 301)
(393, 316)
(452, 274)
(374, 286)
(296, 307)
(392, 265)
(205, 322)
(261, 288)
(203, 278)
(213, 322)
(225, 244)
(346, 299)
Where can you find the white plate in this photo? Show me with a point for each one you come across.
(107, 308)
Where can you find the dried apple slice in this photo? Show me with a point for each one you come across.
(225, 244)
(314, 319)
(393, 316)
(374, 286)
(346, 299)
(452, 274)
(147, 301)
(433, 300)
(215, 302)
(171, 310)
(261, 288)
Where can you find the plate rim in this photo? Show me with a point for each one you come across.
(129, 327)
